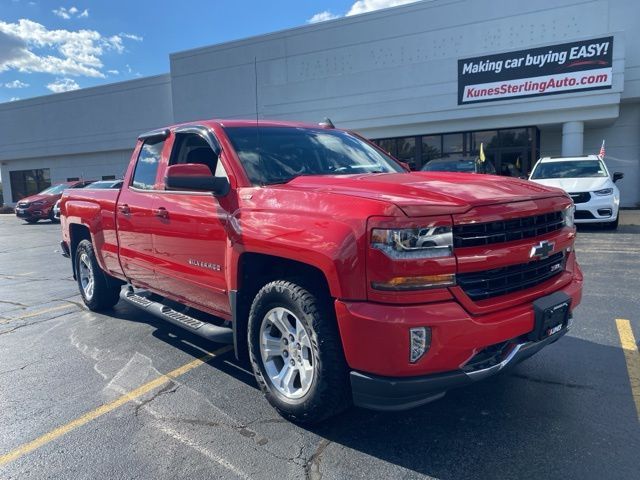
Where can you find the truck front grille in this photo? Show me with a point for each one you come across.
(500, 281)
(477, 234)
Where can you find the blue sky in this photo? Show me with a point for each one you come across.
(50, 46)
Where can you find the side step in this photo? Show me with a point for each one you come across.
(203, 329)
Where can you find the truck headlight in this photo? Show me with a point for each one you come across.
(568, 216)
(604, 192)
(408, 243)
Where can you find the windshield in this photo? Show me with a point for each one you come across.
(55, 190)
(570, 169)
(278, 154)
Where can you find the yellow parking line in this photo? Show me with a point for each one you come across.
(42, 312)
(632, 357)
(106, 408)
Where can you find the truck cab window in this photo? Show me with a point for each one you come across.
(192, 148)
(144, 176)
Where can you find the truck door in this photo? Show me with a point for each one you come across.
(134, 214)
(190, 235)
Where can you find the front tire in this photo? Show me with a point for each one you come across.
(98, 290)
(52, 217)
(296, 353)
(612, 225)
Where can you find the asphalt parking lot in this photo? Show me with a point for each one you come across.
(123, 395)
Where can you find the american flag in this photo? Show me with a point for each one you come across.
(601, 154)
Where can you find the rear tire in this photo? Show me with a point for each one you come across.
(303, 374)
(99, 291)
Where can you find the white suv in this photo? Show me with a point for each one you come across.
(589, 183)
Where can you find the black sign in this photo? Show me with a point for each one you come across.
(562, 68)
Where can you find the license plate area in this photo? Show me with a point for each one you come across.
(551, 315)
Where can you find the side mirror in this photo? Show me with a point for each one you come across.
(617, 176)
(197, 177)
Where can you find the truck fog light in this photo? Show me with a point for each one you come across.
(419, 342)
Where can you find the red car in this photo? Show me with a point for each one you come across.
(342, 276)
(40, 206)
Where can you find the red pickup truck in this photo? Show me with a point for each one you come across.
(342, 276)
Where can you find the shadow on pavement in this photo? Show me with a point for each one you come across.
(545, 418)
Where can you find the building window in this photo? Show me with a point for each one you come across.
(407, 151)
(431, 148)
(28, 182)
(73, 179)
(488, 138)
(453, 143)
(108, 177)
(388, 145)
(511, 150)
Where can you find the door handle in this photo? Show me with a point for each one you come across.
(124, 209)
(161, 212)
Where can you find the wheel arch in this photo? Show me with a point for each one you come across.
(254, 270)
(77, 233)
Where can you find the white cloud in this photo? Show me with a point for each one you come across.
(63, 85)
(113, 72)
(68, 13)
(363, 6)
(28, 46)
(322, 17)
(360, 6)
(16, 84)
(13, 99)
(131, 36)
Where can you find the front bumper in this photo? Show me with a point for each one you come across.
(597, 209)
(385, 393)
(28, 213)
(375, 340)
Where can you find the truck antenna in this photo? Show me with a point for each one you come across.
(255, 75)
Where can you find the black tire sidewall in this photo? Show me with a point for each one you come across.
(105, 295)
(315, 404)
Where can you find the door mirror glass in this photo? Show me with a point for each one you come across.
(195, 177)
(617, 176)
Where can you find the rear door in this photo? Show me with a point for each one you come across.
(135, 216)
(190, 233)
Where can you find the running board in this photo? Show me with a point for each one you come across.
(203, 329)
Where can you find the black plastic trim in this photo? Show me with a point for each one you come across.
(401, 393)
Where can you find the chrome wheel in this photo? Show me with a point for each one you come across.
(285, 348)
(86, 276)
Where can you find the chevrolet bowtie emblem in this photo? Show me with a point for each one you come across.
(542, 250)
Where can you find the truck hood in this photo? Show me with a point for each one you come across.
(429, 193)
(575, 185)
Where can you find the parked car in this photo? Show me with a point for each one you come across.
(588, 182)
(460, 164)
(308, 249)
(41, 206)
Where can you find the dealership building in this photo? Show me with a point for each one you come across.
(425, 80)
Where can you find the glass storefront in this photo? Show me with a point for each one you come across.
(513, 151)
(28, 182)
